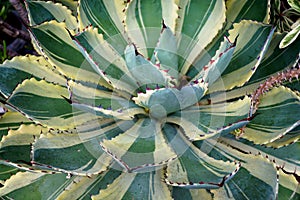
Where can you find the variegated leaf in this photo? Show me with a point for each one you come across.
(77, 153)
(141, 147)
(165, 53)
(40, 11)
(14, 71)
(145, 72)
(252, 44)
(104, 59)
(55, 43)
(290, 37)
(194, 169)
(11, 121)
(44, 103)
(101, 102)
(16, 145)
(83, 187)
(277, 114)
(142, 26)
(202, 122)
(198, 23)
(136, 186)
(45, 186)
(211, 70)
(108, 17)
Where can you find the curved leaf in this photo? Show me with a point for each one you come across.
(277, 114)
(45, 186)
(10, 121)
(14, 71)
(251, 46)
(289, 187)
(285, 159)
(294, 4)
(83, 187)
(165, 53)
(102, 102)
(144, 72)
(198, 23)
(236, 11)
(256, 169)
(104, 59)
(108, 17)
(195, 170)
(141, 147)
(43, 102)
(212, 70)
(142, 25)
(202, 122)
(54, 42)
(6, 172)
(39, 12)
(77, 153)
(255, 10)
(274, 61)
(290, 37)
(136, 186)
(16, 145)
(287, 139)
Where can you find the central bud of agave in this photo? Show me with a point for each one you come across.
(157, 111)
(161, 102)
(160, 91)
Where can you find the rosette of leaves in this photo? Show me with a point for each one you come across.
(151, 100)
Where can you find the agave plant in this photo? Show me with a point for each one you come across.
(151, 100)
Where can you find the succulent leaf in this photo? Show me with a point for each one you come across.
(195, 170)
(287, 163)
(198, 24)
(250, 49)
(43, 102)
(212, 70)
(51, 11)
(277, 114)
(251, 10)
(83, 187)
(289, 187)
(236, 11)
(290, 37)
(132, 183)
(165, 53)
(20, 68)
(289, 138)
(56, 44)
(142, 26)
(10, 121)
(140, 147)
(104, 59)
(16, 145)
(54, 152)
(202, 122)
(108, 17)
(161, 102)
(274, 62)
(45, 185)
(144, 72)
